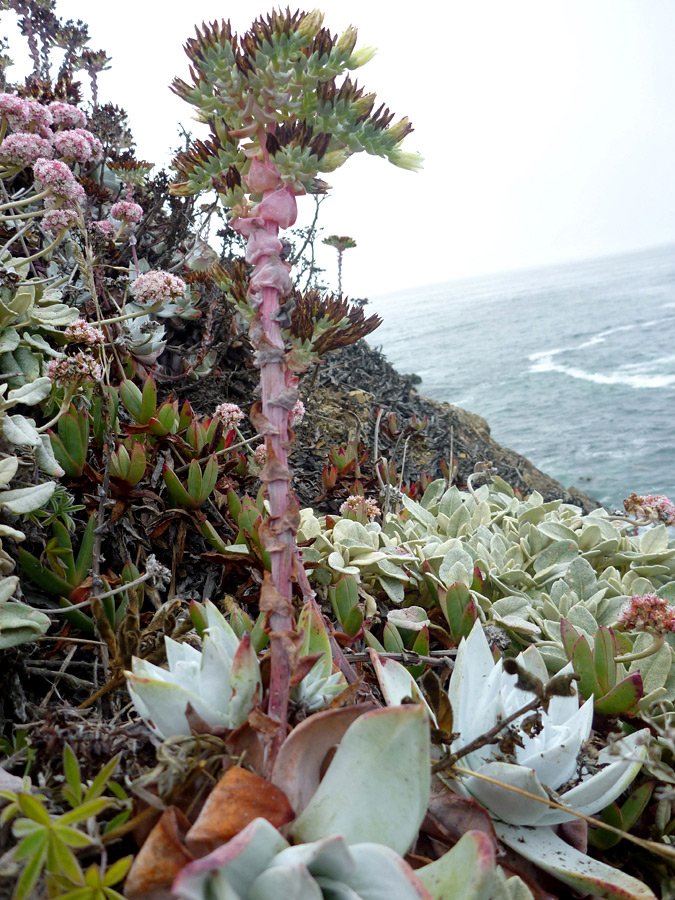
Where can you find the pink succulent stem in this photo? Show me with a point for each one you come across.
(270, 281)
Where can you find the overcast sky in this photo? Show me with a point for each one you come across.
(547, 126)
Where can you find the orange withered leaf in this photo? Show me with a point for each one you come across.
(160, 859)
(239, 797)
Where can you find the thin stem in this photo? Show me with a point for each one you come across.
(487, 738)
(25, 201)
(57, 240)
(653, 846)
(111, 593)
(65, 404)
(659, 640)
(125, 316)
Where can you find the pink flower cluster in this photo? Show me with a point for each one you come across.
(260, 454)
(357, 504)
(57, 220)
(24, 148)
(651, 508)
(67, 115)
(229, 414)
(38, 118)
(297, 413)
(84, 333)
(105, 227)
(56, 177)
(13, 109)
(157, 287)
(78, 145)
(127, 211)
(74, 370)
(648, 612)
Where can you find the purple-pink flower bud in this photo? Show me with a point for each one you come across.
(57, 220)
(78, 145)
(72, 371)
(648, 612)
(127, 211)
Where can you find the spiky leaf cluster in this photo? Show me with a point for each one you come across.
(328, 322)
(276, 90)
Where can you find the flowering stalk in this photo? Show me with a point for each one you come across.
(278, 119)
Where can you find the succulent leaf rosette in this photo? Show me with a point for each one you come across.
(350, 837)
(221, 682)
(481, 692)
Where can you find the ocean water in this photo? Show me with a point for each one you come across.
(573, 366)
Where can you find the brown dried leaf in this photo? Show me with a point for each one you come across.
(160, 859)
(239, 797)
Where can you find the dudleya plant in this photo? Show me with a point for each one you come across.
(542, 761)
(221, 683)
(352, 828)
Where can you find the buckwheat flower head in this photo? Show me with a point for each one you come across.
(648, 612)
(67, 115)
(297, 413)
(15, 110)
(105, 227)
(23, 148)
(84, 333)
(78, 145)
(56, 177)
(157, 287)
(229, 414)
(57, 220)
(127, 211)
(357, 504)
(651, 508)
(38, 118)
(74, 370)
(260, 454)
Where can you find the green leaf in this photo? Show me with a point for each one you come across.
(30, 875)
(209, 478)
(622, 698)
(99, 783)
(85, 811)
(31, 843)
(86, 552)
(582, 661)
(393, 641)
(72, 773)
(600, 837)
(132, 399)
(604, 651)
(148, 401)
(179, 496)
(32, 808)
(60, 858)
(194, 480)
(71, 837)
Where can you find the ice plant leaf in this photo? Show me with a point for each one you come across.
(377, 786)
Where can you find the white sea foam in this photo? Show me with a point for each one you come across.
(646, 380)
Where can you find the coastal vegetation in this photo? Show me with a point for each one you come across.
(239, 661)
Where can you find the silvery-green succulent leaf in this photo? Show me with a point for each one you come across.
(315, 640)
(25, 500)
(54, 316)
(481, 692)
(581, 872)
(229, 872)
(31, 393)
(378, 783)
(464, 873)
(8, 469)
(397, 683)
(221, 683)
(19, 622)
(258, 864)
(19, 430)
